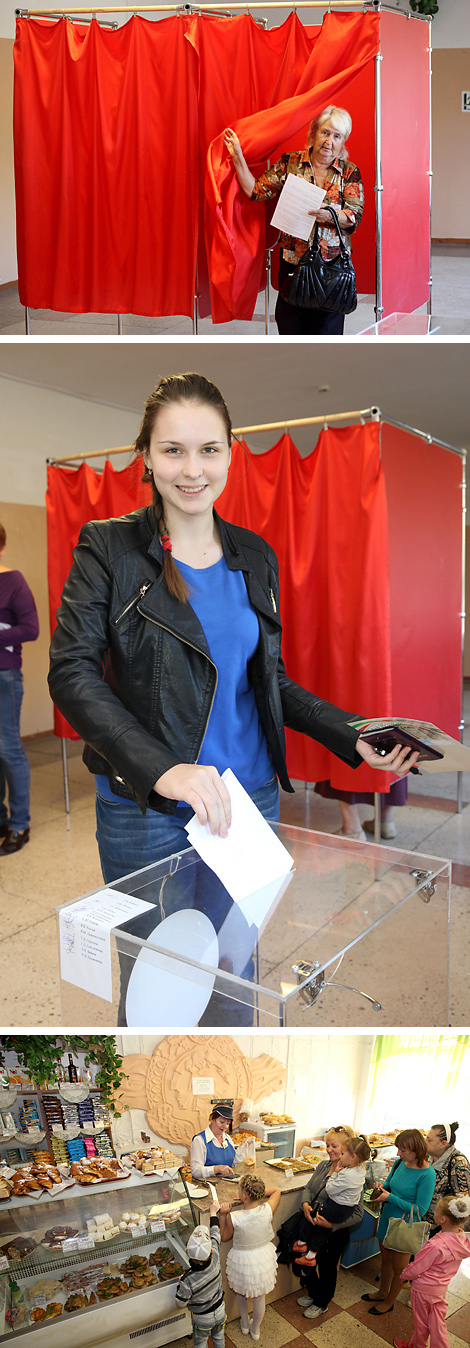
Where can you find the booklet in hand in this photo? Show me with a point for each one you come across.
(383, 741)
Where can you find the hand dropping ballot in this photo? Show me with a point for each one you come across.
(297, 198)
(252, 863)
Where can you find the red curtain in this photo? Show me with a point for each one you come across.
(73, 497)
(112, 130)
(326, 518)
(235, 226)
(425, 578)
(406, 243)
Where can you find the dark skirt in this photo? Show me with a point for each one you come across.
(397, 795)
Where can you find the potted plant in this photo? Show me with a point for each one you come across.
(40, 1055)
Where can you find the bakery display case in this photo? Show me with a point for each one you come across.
(95, 1263)
(197, 957)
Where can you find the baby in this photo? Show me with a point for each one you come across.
(344, 1188)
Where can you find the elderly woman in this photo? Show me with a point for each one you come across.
(212, 1151)
(410, 1184)
(325, 163)
(451, 1166)
(319, 1283)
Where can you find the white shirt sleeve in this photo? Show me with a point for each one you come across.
(198, 1155)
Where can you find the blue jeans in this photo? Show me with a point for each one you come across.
(201, 1336)
(14, 765)
(128, 841)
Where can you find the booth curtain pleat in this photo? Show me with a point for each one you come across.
(326, 518)
(119, 144)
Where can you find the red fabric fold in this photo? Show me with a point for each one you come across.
(234, 225)
(326, 518)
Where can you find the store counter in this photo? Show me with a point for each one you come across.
(227, 1191)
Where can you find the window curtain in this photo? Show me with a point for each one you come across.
(112, 130)
(416, 1080)
(326, 518)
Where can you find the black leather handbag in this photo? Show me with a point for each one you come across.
(318, 284)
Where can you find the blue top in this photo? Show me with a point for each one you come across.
(217, 1155)
(407, 1187)
(234, 737)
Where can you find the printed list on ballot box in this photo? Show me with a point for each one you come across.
(85, 938)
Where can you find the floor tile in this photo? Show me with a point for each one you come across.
(459, 1323)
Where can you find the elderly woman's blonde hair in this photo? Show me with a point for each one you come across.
(339, 118)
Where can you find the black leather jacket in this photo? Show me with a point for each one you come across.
(151, 710)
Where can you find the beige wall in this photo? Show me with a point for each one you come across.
(451, 145)
(8, 268)
(26, 552)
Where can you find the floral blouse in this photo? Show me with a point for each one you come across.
(344, 191)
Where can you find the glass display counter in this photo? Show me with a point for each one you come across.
(198, 958)
(72, 1288)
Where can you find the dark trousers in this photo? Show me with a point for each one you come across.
(317, 1236)
(320, 1282)
(292, 321)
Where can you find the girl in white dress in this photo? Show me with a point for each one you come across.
(251, 1274)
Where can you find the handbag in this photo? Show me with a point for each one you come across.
(319, 284)
(406, 1236)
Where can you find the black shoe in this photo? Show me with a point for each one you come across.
(374, 1311)
(14, 841)
(367, 1297)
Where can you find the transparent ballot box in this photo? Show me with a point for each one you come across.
(355, 933)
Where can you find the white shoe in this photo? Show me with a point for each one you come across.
(304, 1301)
(386, 830)
(313, 1311)
(254, 1336)
(247, 1331)
(360, 836)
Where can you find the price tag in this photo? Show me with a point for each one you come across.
(3, 1264)
(71, 1244)
(289, 1174)
(138, 1231)
(39, 1300)
(86, 1243)
(157, 1227)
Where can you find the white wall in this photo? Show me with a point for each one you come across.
(38, 424)
(325, 1083)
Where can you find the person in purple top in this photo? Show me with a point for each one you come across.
(18, 623)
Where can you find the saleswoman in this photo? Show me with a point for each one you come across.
(212, 1151)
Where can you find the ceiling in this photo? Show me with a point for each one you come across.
(424, 384)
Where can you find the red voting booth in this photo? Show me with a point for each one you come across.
(126, 199)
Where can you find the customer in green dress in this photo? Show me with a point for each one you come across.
(410, 1184)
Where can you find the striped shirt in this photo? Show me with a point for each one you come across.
(344, 191)
(200, 1289)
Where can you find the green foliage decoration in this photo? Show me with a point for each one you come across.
(40, 1055)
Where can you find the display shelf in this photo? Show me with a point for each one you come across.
(148, 1308)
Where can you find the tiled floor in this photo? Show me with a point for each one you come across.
(61, 862)
(347, 1323)
(450, 303)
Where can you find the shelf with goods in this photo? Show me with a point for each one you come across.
(122, 1272)
(60, 1122)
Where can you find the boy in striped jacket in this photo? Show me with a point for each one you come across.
(200, 1288)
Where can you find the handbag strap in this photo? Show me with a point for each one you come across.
(332, 211)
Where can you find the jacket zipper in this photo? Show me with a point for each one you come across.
(273, 601)
(199, 652)
(143, 589)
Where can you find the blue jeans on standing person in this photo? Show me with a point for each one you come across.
(128, 841)
(201, 1336)
(14, 765)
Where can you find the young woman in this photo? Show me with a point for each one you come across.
(251, 1263)
(18, 623)
(167, 658)
(410, 1184)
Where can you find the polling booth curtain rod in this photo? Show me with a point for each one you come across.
(373, 413)
(165, 9)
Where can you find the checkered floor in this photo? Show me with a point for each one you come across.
(347, 1324)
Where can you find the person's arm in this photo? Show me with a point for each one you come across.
(355, 1217)
(245, 177)
(226, 1224)
(214, 1227)
(25, 626)
(273, 1197)
(460, 1175)
(422, 1261)
(269, 183)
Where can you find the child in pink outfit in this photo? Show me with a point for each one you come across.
(431, 1272)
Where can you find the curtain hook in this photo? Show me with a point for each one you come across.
(325, 426)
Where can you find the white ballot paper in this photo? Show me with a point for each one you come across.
(252, 857)
(85, 938)
(297, 198)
